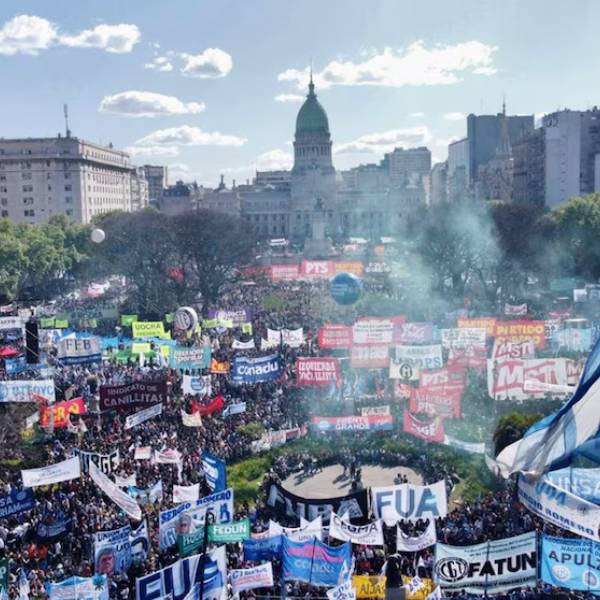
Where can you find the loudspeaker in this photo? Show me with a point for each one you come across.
(32, 342)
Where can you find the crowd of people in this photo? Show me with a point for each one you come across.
(82, 509)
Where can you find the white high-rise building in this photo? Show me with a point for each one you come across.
(43, 177)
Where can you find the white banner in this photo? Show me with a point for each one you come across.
(268, 345)
(306, 531)
(405, 543)
(365, 535)
(186, 493)
(142, 416)
(27, 390)
(495, 566)
(124, 501)
(193, 420)
(373, 331)
(409, 502)
(7, 323)
(170, 456)
(234, 409)
(290, 337)
(143, 453)
(374, 411)
(473, 447)
(463, 337)
(421, 357)
(62, 471)
(344, 591)
(249, 579)
(561, 508)
(525, 349)
(515, 309)
(196, 384)
(125, 481)
(79, 350)
(237, 345)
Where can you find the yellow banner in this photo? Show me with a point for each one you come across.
(219, 368)
(140, 348)
(369, 586)
(148, 329)
(417, 594)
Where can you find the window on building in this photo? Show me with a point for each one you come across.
(3, 189)
(48, 163)
(69, 199)
(28, 188)
(26, 176)
(2, 177)
(68, 187)
(4, 201)
(29, 212)
(69, 212)
(4, 213)
(67, 175)
(28, 201)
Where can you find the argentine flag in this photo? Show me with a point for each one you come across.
(551, 442)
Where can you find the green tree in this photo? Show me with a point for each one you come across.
(511, 428)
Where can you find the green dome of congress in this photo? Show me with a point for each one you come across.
(312, 117)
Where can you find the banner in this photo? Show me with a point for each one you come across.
(405, 543)
(237, 316)
(521, 331)
(127, 320)
(189, 516)
(196, 384)
(286, 504)
(437, 400)
(112, 551)
(315, 562)
(515, 309)
(493, 567)
(375, 411)
(216, 404)
(368, 586)
(370, 357)
(215, 471)
(433, 431)
(285, 272)
(487, 323)
(186, 493)
(140, 543)
(472, 357)
(178, 579)
(143, 329)
(414, 333)
(365, 535)
(16, 502)
(374, 423)
(142, 416)
(107, 463)
(184, 358)
(506, 378)
(132, 395)
(56, 473)
(446, 377)
(235, 409)
(59, 414)
(420, 357)
(11, 323)
(250, 579)
(294, 338)
(409, 502)
(27, 390)
(416, 588)
(561, 508)
(75, 351)
(524, 349)
(584, 483)
(239, 345)
(306, 531)
(463, 337)
(125, 502)
(317, 371)
(373, 331)
(193, 420)
(573, 340)
(79, 588)
(472, 447)
(142, 453)
(571, 563)
(229, 533)
(48, 533)
(335, 336)
(317, 269)
(354, 267)
(256, 370)
(264, 548)
(125, 480)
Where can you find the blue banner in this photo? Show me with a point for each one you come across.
(54, 531)
(195, 357)
(584, 483)
(571, 563)
(215, 472)
(268, 548)
(112, 551)
(80, 588)
(256, 370)
(16, 502)
(315, 562)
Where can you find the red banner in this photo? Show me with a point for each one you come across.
(285, 272)
(524, 349)
(214, 405)
(317, 371)
(402, 391)
(317, 269)
(442, 377)
(61, 412)
(431, 431)
(370, 357)
(521, 331)
(335, 336)
(437, 400)
(473, 357)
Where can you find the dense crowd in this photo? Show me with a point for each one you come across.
(275, 406)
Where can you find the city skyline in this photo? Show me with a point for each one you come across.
(188, 86)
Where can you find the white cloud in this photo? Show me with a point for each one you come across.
(210, 64)
(28, 34)
(417, 115)
(189, 136)
(454, 116)
(159, 63)
(445, 142)
(487, 71)
(386, 141)
(135, 103)
(289, 98)
(414, 66)
(274, 160)
(152, 150)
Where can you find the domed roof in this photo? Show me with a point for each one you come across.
(312, 117)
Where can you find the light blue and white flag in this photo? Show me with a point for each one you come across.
(551, 442)
(215, 472)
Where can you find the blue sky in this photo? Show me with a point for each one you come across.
(194, 83)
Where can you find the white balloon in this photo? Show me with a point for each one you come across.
(186, 318)
(98, 236)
